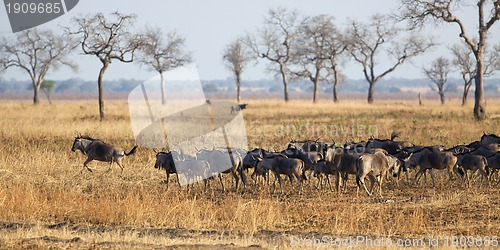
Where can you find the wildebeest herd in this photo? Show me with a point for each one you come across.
(372, 159)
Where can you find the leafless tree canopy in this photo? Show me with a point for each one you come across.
(35, 52)
(108, 39)
(162, 53)
(438, 74)
(380, 35)
(275, 41)
(236, 58)
(420, 12)
(317, 50)
(463, 60)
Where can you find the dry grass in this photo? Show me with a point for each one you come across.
(46, 199)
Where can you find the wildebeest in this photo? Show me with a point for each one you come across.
(309, 158)
(429, 158)
(493, 163)
(238, 107)
(469, 162)
(282, 165)
(321, 168)
(194, 169)
(375, 166)
(489, 139)
(164, 160)
(221, 163)
(98, 150)
(343, 162)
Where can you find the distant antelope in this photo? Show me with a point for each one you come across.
(98, 150)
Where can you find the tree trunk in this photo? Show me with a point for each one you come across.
(285, 81)
(101, 91)
(335, 83)
(464, 96)
(163, 91)
(36, 91)
(479, 104)
(238, 87)
(371, 90)
(441, 96)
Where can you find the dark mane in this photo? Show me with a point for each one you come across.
(87, 137)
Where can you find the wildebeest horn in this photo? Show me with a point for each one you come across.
(317, 140)
(394, 135)
(154, 150)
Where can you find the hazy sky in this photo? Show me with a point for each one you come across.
(210, 25)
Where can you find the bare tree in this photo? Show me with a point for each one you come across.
(368, 40)
(36, 51)
(438, 73)
(236, 57)
(466, 64)
(275, 41)
(108, 40)
(162, 53)
(336, 50)
(314, 50)
(419, 12)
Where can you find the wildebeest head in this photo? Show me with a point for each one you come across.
(164, 160)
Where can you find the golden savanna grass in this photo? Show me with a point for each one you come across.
(46, 200)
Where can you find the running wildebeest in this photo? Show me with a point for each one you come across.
(429, 158)
(98, 150)
(374, 166)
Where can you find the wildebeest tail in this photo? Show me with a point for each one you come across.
(358, 171)
(131, 151)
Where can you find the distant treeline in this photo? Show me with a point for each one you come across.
(409, 86)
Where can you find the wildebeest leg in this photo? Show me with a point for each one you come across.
(85, 164)
(345, 178)
(329, 184)
(119, 162)
(178, 181)
(419, 173)
(432, 176)
(372, 183)
(319, 180)
(110, 164)
(222, 184)
(337, 181)
(279, 181)
(362, 180)
(235, 177)
(168, 177)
